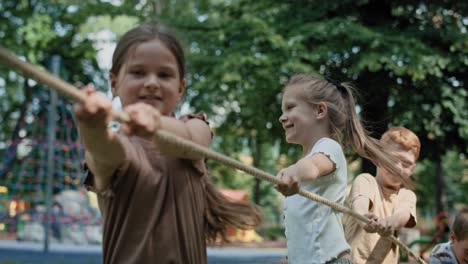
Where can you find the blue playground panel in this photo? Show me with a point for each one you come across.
(13, 252)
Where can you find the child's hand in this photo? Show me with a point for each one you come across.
(95, 111)
(290, 181)
(374, 225)
(145, 120)
(387, 226)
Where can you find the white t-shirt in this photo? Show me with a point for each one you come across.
(314, 231)
(443, 254)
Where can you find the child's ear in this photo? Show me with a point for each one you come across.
(113, 83)
(322, 110)
(182, 88)
(453, 237)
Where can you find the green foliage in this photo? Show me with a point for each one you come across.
(271, 232)
(35, 30)
(407, 59)
(455, 180)
(240, 56)
(118, 24)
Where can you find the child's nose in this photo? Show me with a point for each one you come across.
(152, 82)
(282, 118)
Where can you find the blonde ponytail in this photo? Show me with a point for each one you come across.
(345, 125)
(358, 138)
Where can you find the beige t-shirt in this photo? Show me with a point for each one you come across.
(371, 247)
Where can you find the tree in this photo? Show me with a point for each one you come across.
(394, 51)
(408, 61)
(35, 30)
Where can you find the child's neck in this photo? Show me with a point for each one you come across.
(390, 188)
(310, 143)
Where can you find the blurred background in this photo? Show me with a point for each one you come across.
(408, 60)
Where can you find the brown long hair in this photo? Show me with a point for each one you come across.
(220, 213)
(145, 33)
(345, 125)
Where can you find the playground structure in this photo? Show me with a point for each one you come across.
(23, 173)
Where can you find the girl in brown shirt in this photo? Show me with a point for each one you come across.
(156, 201)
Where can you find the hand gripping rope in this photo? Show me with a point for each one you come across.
(75, 94)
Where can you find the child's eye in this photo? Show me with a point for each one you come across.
(406, 164)
(164, 75)
(137, 72)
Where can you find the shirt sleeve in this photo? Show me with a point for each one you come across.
(131, 158)
(363, 186)
(439, 255)
(331, 149)
(407, 199)
(199, 165)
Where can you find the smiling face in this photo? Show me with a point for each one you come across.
(150, 75)
(299, 118)
(406, 164)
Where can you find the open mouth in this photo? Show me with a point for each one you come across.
(150, 99)
(288, 126)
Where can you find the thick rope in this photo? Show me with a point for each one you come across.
(184, 145)
(190, 147)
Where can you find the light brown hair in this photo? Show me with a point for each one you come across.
(142, 34)
(460, 225)
(345, 125)
(221, 213)
(403, 137)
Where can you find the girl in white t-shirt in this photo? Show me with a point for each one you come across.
(320, 115)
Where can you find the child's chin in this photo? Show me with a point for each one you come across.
(393, 182)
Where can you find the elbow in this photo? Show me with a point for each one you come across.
(411, 222)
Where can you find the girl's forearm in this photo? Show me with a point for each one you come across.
(101, 144)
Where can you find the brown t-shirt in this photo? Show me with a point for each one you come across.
(153, 210)
(371, 247)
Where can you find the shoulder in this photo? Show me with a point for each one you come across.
(437, 248)
(364, 179)
(406, 194)
(333, 152)
(364, 185)
(197, 124)
(329, 148)
(327, 143)
(441, 252)
(196, 116)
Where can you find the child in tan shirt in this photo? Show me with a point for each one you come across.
(383, 199)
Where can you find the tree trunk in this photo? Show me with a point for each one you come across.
(256, 156)
(439, 182)
(374, 109)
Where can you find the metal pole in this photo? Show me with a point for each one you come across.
(54, 67)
